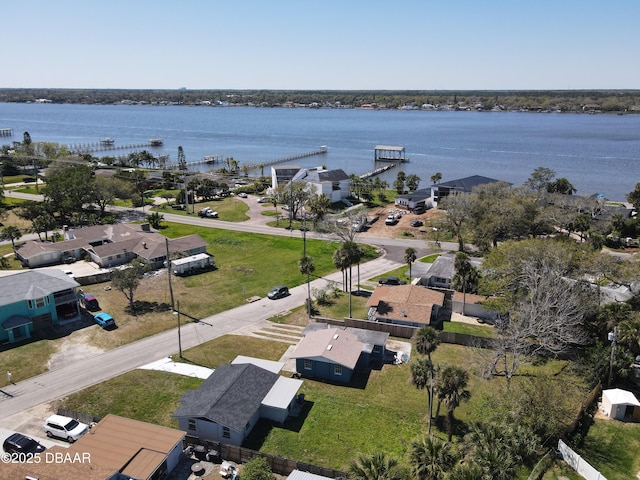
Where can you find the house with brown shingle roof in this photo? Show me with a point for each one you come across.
(115, 448)
(330, 354)
(410, 305)
(109, 246)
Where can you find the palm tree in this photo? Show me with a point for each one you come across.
(464, 268)
(436, 177)
(11, 233)
(154, 219)
(422, 377)
(307, 267)
(431, 458)
(427, 340)
(409, 258)
(450, 387)
(375, 467)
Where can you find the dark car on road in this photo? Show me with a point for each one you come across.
(18, 443)
(391, 281)
(278, 292)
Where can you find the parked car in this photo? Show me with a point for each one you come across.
(104, 320)
(391, 220)
(417, 223)
(242, 195)
(263, 200)
(65, 427)
(18, 443)
(90, 303)
(391, 281)
(208, 213)
(278, 292)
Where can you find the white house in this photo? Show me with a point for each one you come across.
(620, 404)
(335, 184)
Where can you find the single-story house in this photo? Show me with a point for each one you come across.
(418, 200)
(374, 343)
(109, 246)
(461, 185)
(116, 448)
(410, 305)
(620, 404)
(232, 399)
(442, 271)
(34, 300)
(330, 354)
(471, 305)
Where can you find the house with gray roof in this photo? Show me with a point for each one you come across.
(34, 300)
(232, 399)
(461, 185)
(374, 342)
(109, 246)
(330, 354)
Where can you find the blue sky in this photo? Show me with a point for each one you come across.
(330, 44)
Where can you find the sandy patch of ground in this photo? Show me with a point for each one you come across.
(72, 349)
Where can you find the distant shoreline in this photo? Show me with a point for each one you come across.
(535, 101)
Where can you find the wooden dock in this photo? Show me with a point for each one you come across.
(386, 153)
(320, 151)
(377, 171)
(6, 132)
(108, 144)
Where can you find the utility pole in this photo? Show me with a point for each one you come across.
(612, 336)
(166, 242)
(179, 337)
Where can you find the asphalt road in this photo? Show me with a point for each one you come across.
(57, 383)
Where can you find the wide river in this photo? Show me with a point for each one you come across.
(596, 153)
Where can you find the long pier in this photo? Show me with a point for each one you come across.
(103, 146)
(377, 171)
(320, 151)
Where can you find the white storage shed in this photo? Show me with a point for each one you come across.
(620, 404)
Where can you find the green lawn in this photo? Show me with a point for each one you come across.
(230, 209)
(381, 412)
(612, 448)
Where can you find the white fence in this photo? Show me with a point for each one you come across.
(576, 462)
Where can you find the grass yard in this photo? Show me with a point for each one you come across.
(383, 413)
(26, 361)
(612, 448)
(230, 209)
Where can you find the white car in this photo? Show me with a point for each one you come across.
(65, 427)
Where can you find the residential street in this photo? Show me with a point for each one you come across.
(16, 399)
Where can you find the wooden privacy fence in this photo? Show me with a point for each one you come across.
(279, 465)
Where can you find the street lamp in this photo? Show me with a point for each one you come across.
(177, 312)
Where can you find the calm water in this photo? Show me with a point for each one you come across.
(597, 153)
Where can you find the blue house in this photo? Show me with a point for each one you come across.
(35, 300)
(330, 354)
(374, 343)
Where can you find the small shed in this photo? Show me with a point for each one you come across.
(620, 404)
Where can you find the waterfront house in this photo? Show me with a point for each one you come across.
(335, 184)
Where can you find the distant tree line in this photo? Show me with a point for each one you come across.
(531, 100)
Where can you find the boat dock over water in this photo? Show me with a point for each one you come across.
(386, 153)
(107, 143)
(6, 132)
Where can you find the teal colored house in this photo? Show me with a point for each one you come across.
(34, 300)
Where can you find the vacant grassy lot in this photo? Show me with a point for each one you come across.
(230, 209)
